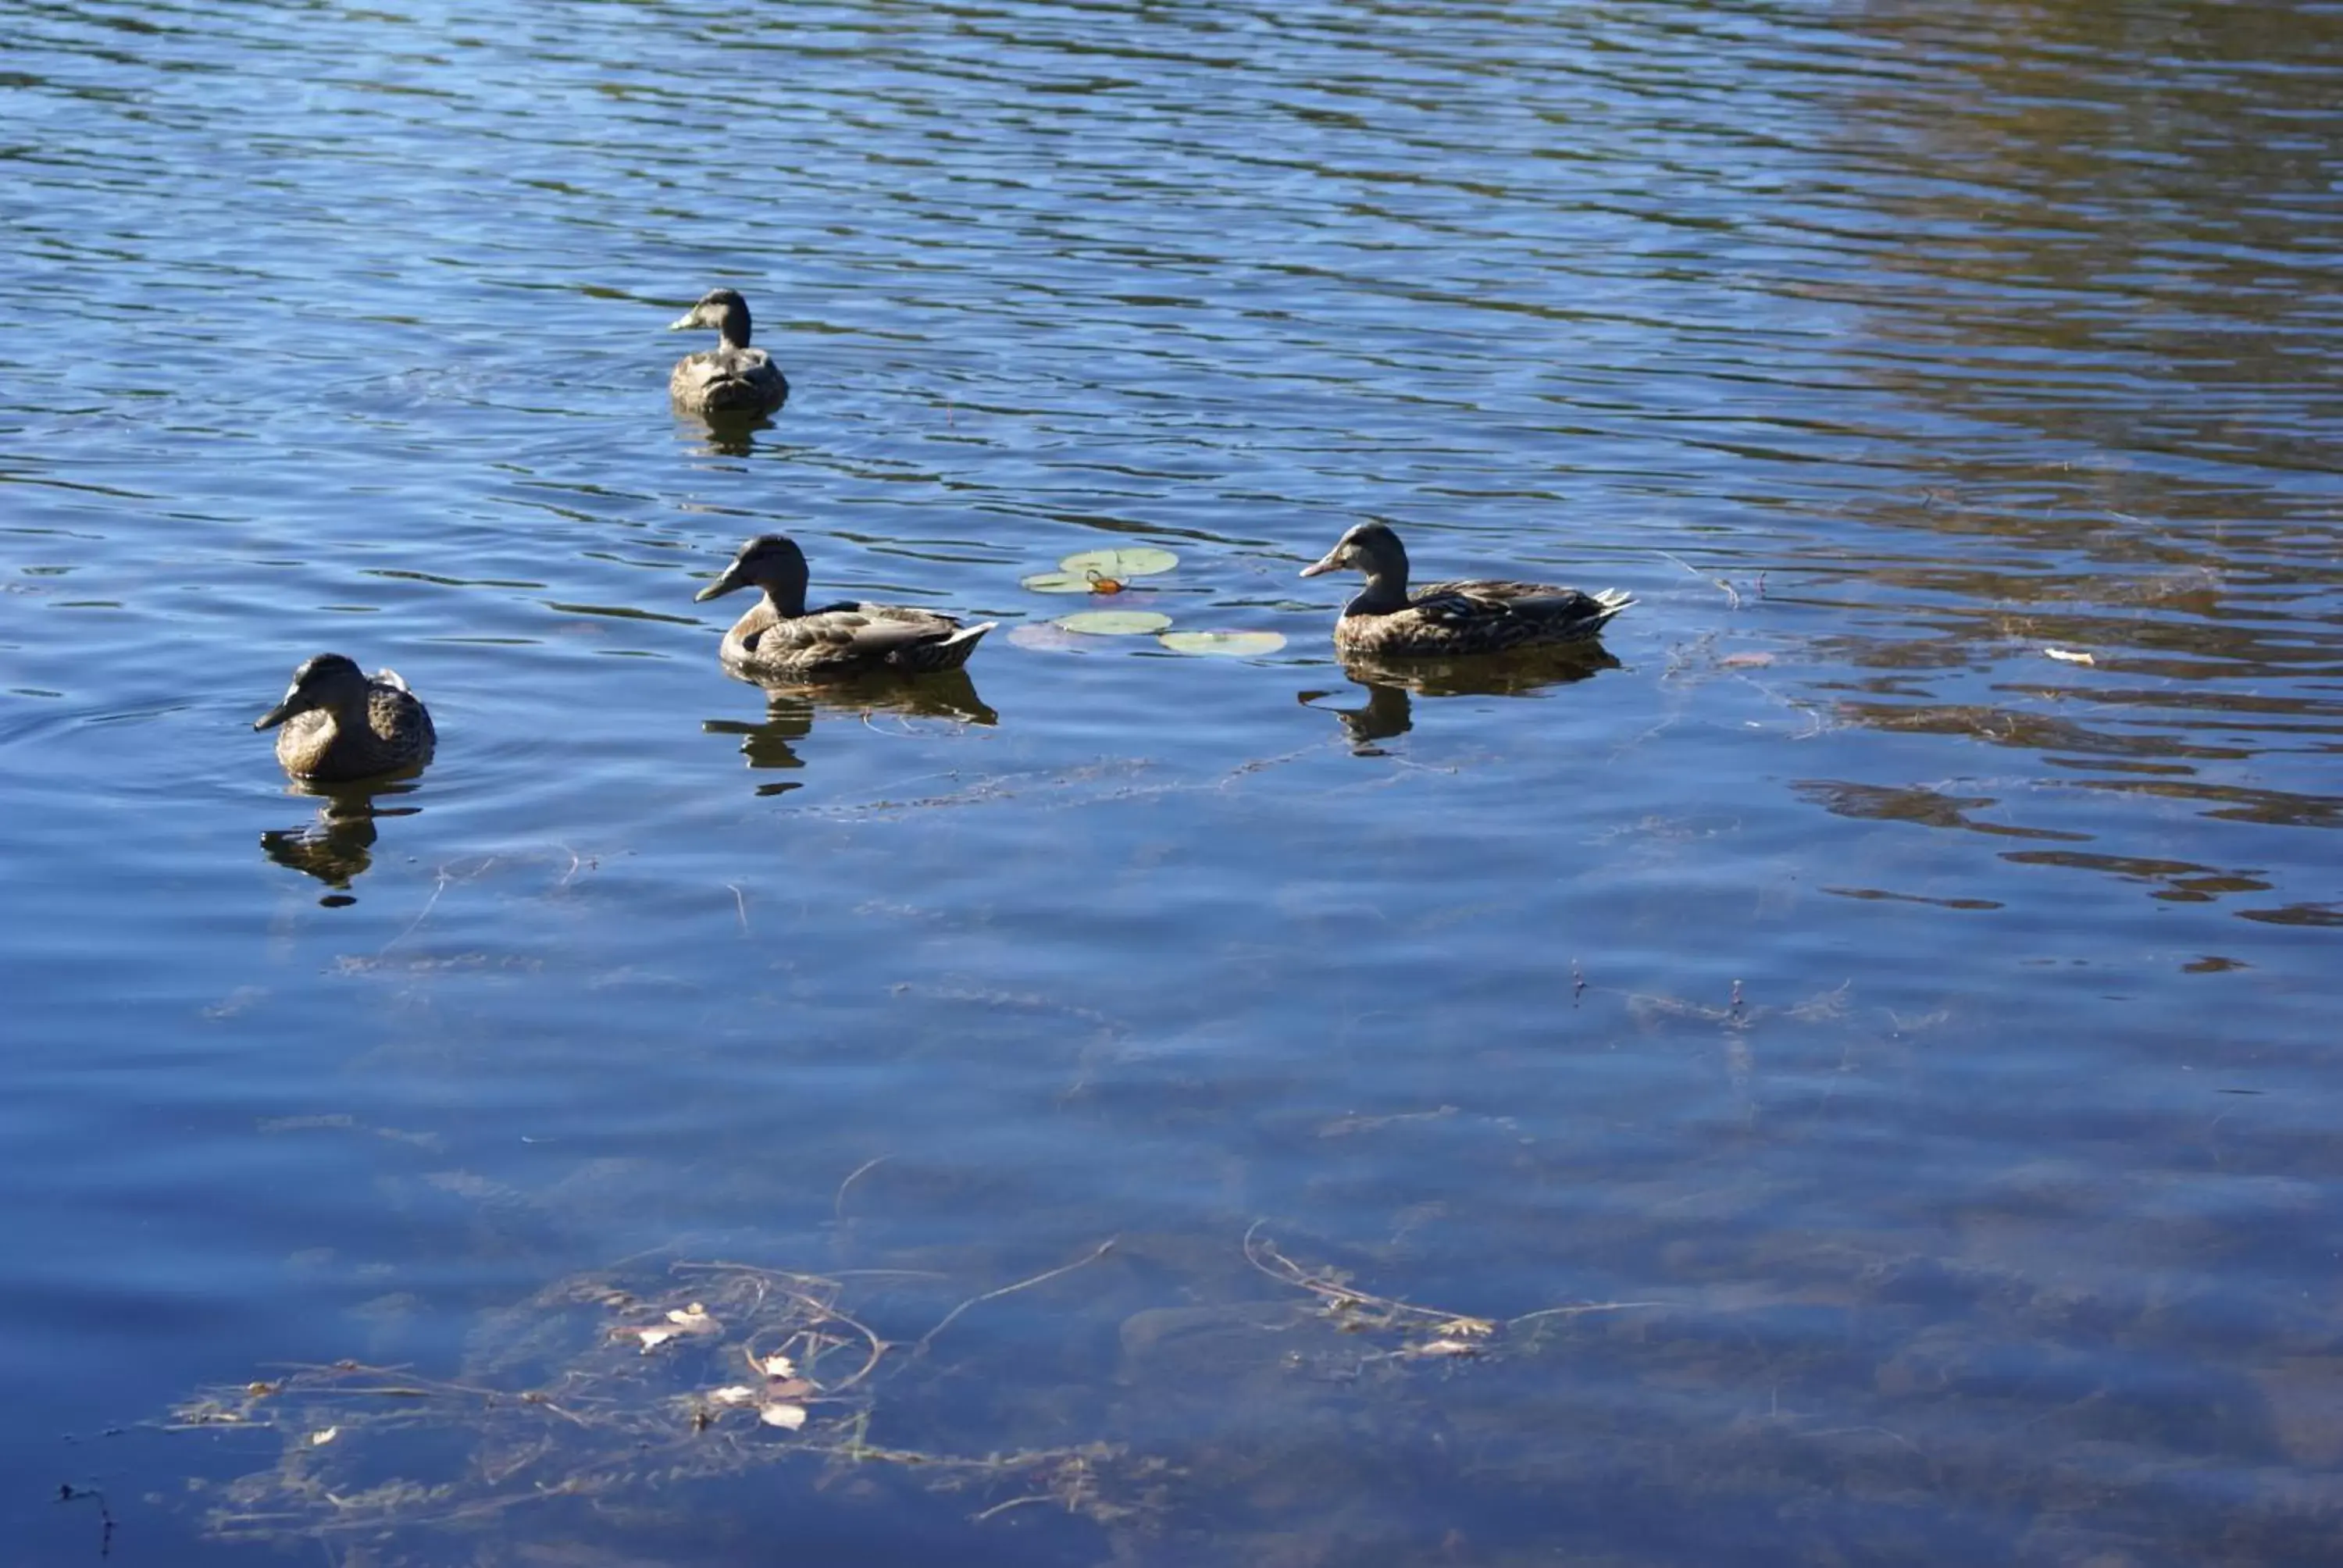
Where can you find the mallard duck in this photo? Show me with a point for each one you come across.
(733, 379)
(342, 724)
(1446, 619)
(780, 639)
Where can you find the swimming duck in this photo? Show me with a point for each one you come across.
(341, 724)
(734, 379)
(1451, 618)
(780, 639)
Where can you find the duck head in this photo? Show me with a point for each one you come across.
(721, 309)
(770, 561)
(329, 681)
(1370, 547)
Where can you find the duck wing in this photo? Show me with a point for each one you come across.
(727, 380)
(1484, 598)
(1488, 600)
(850, 634)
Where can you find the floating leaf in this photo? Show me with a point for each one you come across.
(738, 1393)
(319, 1439)
(778, 1366)
(1223, 643)
(787, 1417)
(1129, 562)
(791, 1388)
(2068, 656)
(693, 1320)
(1115, 622)
(1057, 582)
(1444, 1348)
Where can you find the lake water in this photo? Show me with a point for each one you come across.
(1833, 1082)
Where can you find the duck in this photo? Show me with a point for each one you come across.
(340, 723)
(779, 639)
(732, 378)
(1443, 619)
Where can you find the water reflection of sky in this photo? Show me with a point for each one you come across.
(1841, 1081)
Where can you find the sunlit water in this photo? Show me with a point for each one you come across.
(1924, 1043)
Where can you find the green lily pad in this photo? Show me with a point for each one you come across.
(1115, 622)
(1130, 561)
(1058, 582)
(1223, 643)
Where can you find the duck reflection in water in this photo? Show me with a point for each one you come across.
(720, 435)
(789, 713)
(337, 847)
(1392, 686)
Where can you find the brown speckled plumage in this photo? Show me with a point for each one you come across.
(732, 378)
(1446, 619)
(340, 724)
(779, 639)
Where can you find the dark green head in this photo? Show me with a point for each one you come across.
(770, 561)
(327, 681)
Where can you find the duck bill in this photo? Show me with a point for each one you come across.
(723, 585)
(1330, 562)
(274, 716)
(688, 319)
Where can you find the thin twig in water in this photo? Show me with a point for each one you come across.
(838, 1204)
(1573, 1311)
(68, 1492)
(441, 877)
(1732, 594)
(1005, 1507)
(740, 902)
(1101, 1251)
(439, 886)
(1337, 1294)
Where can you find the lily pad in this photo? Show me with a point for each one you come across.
(1223, 643)
(1130, 561)
(1115, 622)
(1058, 582)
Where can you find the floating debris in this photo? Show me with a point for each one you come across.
(1048, 637)
(2068, 656)
(556, 1403)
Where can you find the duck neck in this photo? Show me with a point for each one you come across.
(1386, 591)
(785, 600)
(733, 328)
